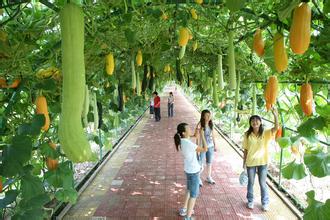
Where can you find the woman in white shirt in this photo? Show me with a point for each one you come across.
(170, 104)
(192, 167)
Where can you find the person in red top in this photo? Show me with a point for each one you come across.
(156, 106)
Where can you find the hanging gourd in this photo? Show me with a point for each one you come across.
(133, 75)
(14, 84)
(109, 64)
(271, 92)
(215, 89)
(86, 107)
(280, 55)
(231, 61)
(139, 58)
(193, 14)
(258, 43)
(41, 108)
(183, 36)
(138, 84)
(182, 52)
(199, 2)
(300, 31)
(254, 99)
(95, 111)
(3, 83)
(306, 99)
(195, 45)
(220, 73)
(72, 137)
(51, 163)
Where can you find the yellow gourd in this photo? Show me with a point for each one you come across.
(109, 64)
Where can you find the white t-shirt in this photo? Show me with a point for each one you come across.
(188, 150)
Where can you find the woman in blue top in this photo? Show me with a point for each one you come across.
(192, 167)
(206, 124)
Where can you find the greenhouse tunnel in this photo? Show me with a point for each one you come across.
(77, 79)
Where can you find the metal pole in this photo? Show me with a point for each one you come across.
(283, 135)
(100, 144)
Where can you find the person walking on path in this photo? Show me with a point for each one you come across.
(255, 160)
(151, 107)
(192, 167)
(206, 124)
(170, 104)
(157, 106)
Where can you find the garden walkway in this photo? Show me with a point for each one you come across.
(144, 179)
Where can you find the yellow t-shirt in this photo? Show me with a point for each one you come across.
(257, 148)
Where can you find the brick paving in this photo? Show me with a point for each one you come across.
(144, 179)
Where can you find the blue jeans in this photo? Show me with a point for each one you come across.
(262, 175)
(193, 184)
(208, 154)
(170, 109)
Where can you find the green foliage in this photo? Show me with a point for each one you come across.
(318, 162)
(294, 170)
(316, 210)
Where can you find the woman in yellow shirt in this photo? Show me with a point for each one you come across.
(255, 145)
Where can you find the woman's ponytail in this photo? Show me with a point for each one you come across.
(177, 137)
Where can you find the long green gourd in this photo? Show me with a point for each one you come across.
(86, 107)
(254, 99)
(138, 84)
(71, 133)
(215, 89)
(95, 111)
(133, 74)
(220, 73)
(231, 61)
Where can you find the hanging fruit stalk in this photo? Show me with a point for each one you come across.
(258, 43)
(271, 92)
(306, 99)
(220, 73)
(41, 108)
(231, 61)
(300, 30)
(280, 55)
(109, 64)
(71, 134)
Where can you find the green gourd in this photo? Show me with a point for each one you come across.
(231, 61)
(95, 112)
(133, 75)
(72, 137)
(220, 73)
(86, 107)
(215, 89)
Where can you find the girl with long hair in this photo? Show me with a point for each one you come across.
(255, 160)
(206, 124)
(192, 167)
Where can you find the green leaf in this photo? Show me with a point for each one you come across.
(318, 163)
(324, 111)
(309, 127)
(31, 186)
(47, 85)
(61, 177)
(284, 142)
(32, 128)
(35, 202)
(16, 154)
(10, 196)
(67, 195)
(130, 36)
(235, 5)
(316, 209)
(48, 151)
(326, 7)
(294, 171)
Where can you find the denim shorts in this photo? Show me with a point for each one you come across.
(193, 184)
(208, 154)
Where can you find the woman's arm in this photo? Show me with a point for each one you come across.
(276, 125)
(213, 137)
(244, 157)
(204, 148)
(196, 133)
